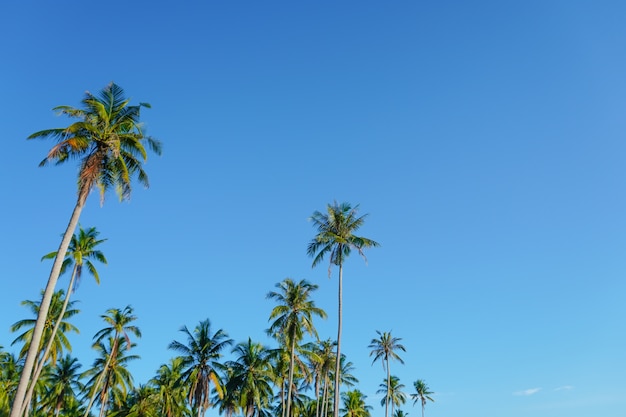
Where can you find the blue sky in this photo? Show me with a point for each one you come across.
(485, 140)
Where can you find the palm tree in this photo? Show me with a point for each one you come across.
(293, 318)
(354, 404)
(200, 362)
(118, 330)
(335, 237)
(422, 393)
(392, 389)
(64, 383)
(109, 142)
(384, 348)
(10, 368)
(58, 341)
(81, 250)
(110, 377)
(250, 377)
(399, 413)
(169, 388)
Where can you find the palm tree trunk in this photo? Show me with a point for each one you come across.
(33, 350)
(101, 378)
(290, 382)
(46, 353)
(338, 357)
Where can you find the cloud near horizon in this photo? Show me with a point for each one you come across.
(527, 392)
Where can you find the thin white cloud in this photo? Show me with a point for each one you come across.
(527, 392)
(564, 388)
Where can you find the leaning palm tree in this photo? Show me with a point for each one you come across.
(200, 357)
(109, 141)
(335, 238)
(384, 348)
(354, 405)
(422, 393)
(293, 317)
(118, 329)
(392, 389)
(81, 251)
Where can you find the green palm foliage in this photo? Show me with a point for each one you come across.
(118, 330)
(250, 378)
(109, 142)
(60, 341)
(354, 405)
(400, 413)
(335, 238)
(200, 357)
(394, 395)
(140, 402)
(384, 349)
(293, 317)
(170, 390)
(63, 384)
(109, 378)
(422, 394)
(10, 368)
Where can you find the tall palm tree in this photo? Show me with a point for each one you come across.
(384, 348)
(335, 238)
(251, 377)
(64, 384)
(110, 378)
(109, 142)
(394, 395)
(118, 329)
(422, 393)
(59, 341)
(200, 357)
(170, 390)
(81, 251)
(293, 317)
(354, 404)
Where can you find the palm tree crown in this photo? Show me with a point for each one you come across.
(422, 393)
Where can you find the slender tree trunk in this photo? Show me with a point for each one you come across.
(290, 382)
(388, 388)
(101, 377)
(46, 353)
(338, 358)
(33, 350)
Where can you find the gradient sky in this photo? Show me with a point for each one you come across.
(486, 140)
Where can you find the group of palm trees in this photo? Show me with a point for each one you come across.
(108, 140)
(295, 378)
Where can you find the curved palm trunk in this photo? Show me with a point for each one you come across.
(338, 357)
(101, 378)
(46, 353)
(290, 379)
(33, 350)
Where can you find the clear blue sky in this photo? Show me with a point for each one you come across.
(486, 140)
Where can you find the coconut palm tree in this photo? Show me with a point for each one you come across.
(59, 341)
(110, 378)
(251, 377)
(10, 368)
(200, 357)
(81, 251)
(384, 348)
(293, 317)
(354, 404)
(335, 238)
(422, 393)
(394, 395)
(63, 384)
(170, 390)
(400, 413)
(109, 142)
(118, 329)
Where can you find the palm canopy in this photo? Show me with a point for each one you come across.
(81, 252)
(422, 393)
(108, 139)
(335, 234)
(200, 361)
(354, 404)
(384, 348)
